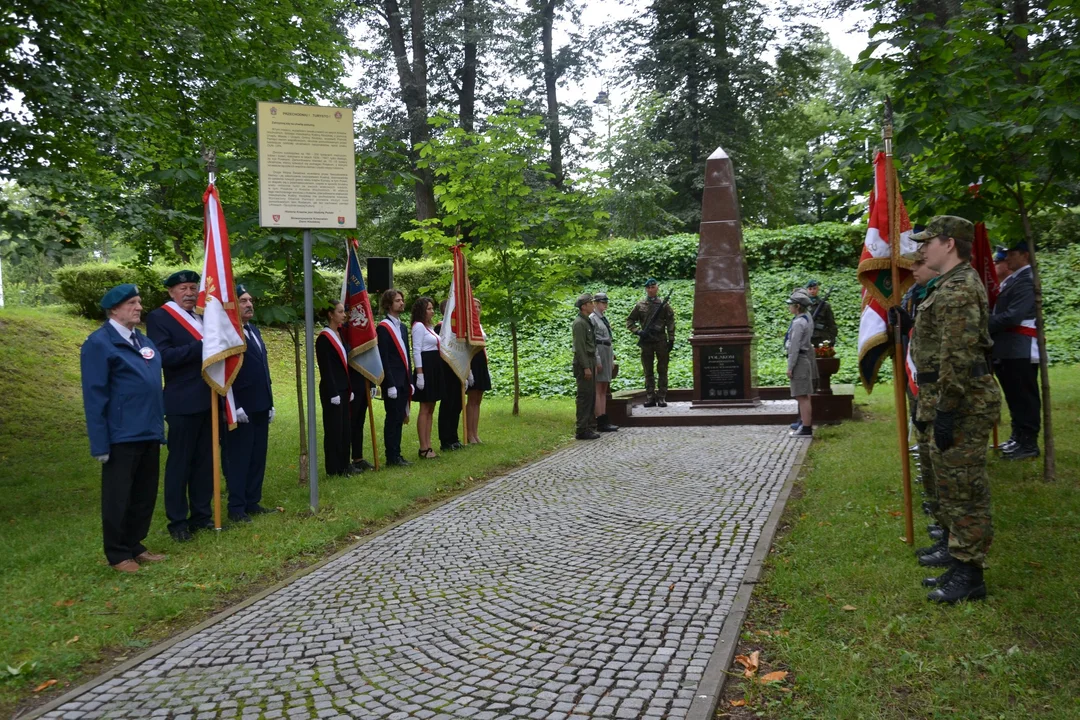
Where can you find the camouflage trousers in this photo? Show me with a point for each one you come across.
(660, 352)
(963, 488)
(926, 469)
(586, 399)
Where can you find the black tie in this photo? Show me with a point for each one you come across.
(135, 341)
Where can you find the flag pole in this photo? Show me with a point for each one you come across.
(215, 430)
(899, 375)
(371, 421)
(465, 411)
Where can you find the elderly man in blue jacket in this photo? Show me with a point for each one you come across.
(121, 382)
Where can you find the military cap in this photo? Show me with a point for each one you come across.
(799, 297)
(946, 226)
(119, 294)
(181, 276)
(1000, 253)
(1020, 246)
(650, 281)
(582, 299)
(241, 289)
(914, 256)
(812, 283)
(600, 297)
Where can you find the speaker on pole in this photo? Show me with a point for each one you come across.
(380, 276)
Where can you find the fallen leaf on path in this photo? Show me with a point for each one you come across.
(773, 677)
(849, 608)
(72, 640)
(280, 509)
(763, 632)
(46, 684)
(738, 703)
(63, 603)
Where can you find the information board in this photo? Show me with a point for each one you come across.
(722, 372)
(307, 166)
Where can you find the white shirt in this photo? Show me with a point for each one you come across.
(424, 339)
(251, 336)
(124, 332)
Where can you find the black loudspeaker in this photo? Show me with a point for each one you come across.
(380, 276)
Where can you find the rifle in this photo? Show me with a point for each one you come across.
(818, 306)
(644, 331)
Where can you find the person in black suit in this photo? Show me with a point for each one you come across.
(176, 331)
(245, 447)
(358, 409)
(450, 399)
(1016, 354)
(335, 391)
(397, 368)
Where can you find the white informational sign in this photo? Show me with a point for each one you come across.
(307, 166)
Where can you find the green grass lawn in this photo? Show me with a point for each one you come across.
(66, 614)
(891, 653)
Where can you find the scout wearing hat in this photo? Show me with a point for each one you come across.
(653, 321)
(121, 380)
(584, 345)
(605, 360)
(801, 366)
(177, 331)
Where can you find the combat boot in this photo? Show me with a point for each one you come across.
(966, 583)
(936, 532)
(604, 425)
(927, 507)
(940, 580)
(650, 403)
(941, 557)
(941, 542)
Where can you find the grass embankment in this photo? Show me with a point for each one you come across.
(840, 606)
(66, 613)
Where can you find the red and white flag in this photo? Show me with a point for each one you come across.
(461, 336)
(223, 334)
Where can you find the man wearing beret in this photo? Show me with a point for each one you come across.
(959, 403)
(584, 366)
(653, 321)
(121, 383)
(1016, 354)
(245, 447)
(1001, 264)
(822, 314)
(177, 331)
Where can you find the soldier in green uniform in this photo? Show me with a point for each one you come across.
(821, 312)
(656, 337)
(958, 403)
(585, 368)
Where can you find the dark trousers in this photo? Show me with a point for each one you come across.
(357, 417)
(189, 471)
(395, 418)
(586, 400)
(1019, 380)
(661, 353)
(245, 462)
(129, 486)
(450, 410)
(336, 436)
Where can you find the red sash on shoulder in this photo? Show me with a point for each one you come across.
(396, 337)
(335, 340)
(183, 318)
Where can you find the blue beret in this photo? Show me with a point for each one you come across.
(241, 289)
(182, 276)
(119, 294)
(1021, 246)
(812, 283)
(650, 281)
(999, 254)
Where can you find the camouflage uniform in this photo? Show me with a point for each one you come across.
(584, 334)
(911, 302)
(656, 344)
(950, 347)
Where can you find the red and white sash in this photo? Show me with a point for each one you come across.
(911, 370)
(335, 340)
(189, 323)
(1027, 328)
(396, 337)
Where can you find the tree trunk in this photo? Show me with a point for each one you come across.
(467, 95)
(547, 16)
(517, 380)
(1049, 461)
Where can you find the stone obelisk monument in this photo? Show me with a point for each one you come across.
(723, 335)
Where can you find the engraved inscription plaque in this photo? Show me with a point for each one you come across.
(721, 372)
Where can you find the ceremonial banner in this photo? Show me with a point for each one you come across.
(359, 327)
(875, 275)
(223, 335)
(461, 337)
(982, 259)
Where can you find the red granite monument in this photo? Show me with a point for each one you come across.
(723, 337)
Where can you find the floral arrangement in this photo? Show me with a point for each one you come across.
(825, 350)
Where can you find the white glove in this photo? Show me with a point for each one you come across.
(271, 414)
(102, 458)
(336, 400)
(471, 381)
(412, 390)
(352, 396)
(420, 381)
(373, 391)
(241, 416)
(392, 393)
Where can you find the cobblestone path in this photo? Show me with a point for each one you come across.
(591, 584)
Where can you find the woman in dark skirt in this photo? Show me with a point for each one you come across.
(427, 374)
(335, 392)
(481, 383)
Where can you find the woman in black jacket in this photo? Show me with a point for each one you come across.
(335, 393)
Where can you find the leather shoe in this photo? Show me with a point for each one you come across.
(590, 435)
(966, 583)
(182, 535)
(451, 446)
(240, 517)
(363, 464)
(258, 510)
(149, 557)
(208, 525)
(355, 469)
(399, 461)
(127, 566)
(939, 558)
(661, 403)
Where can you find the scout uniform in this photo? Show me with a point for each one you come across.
(121, 383)
(584, 343)
(605, 356)
(656, 343)
(959, 403)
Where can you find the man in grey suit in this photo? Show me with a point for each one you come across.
(1016, 354)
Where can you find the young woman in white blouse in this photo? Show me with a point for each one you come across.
(427, 376)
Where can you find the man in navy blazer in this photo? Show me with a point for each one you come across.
(245, 447)
(1016, 355)
(121, 382)
(177, 332)
(397, 368)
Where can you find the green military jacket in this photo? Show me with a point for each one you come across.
(662, 330)
(950, 348)
(584, 342)
(824, 322)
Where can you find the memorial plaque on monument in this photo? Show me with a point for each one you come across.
(722, 337)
